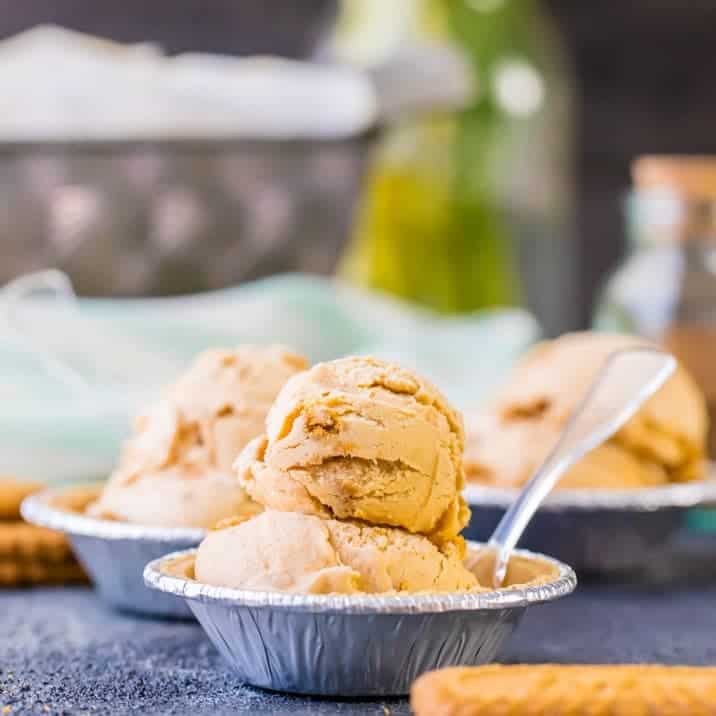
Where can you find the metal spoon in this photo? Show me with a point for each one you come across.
(629, 378)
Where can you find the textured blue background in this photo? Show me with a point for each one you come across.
(63, 652)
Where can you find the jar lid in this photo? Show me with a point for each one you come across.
(690, 176)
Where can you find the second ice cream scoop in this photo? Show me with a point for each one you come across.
(176, 468)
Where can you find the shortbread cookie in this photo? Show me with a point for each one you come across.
(529, 690)
(16, 573)
(27, 543)
(12, 493)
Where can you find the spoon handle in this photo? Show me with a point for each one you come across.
(628, 378)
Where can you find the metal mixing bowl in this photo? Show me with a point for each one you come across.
(168, 217)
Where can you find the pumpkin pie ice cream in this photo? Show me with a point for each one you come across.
(176, 469)
(360, 438)
(360, 471)
(664, 442)
(294, 552)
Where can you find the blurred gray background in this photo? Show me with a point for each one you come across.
(643, 70)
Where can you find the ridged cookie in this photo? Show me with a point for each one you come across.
(557, 690)
(16, 573)
(27, 543)
(12, 493)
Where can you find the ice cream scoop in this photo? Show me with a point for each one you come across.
(295, 552)
(176, 468)
(172, 498)
(360, 472)
(361, 438)
(664, 442)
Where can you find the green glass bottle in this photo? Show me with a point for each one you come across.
(450, 195)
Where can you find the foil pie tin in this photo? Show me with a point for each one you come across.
(357, 645)
(113, 554)
(599, 532)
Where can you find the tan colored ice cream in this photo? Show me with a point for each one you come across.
(295, 552)
(176, 468)
(360, 471)
(360, 438)
(665, 441)
(171, 498)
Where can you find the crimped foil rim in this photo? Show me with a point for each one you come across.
(36, 510)
(562, 585)
(647, 499)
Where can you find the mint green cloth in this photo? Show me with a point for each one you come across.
(126, 350)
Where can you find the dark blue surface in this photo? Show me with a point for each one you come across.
(63, 652)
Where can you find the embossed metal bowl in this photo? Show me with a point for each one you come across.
(598, 532)
(355, 645)
(133, 218)
(113, 554)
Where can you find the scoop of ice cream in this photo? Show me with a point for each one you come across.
(227, 394)
(183, 448)
(506, 453)
(294, 552)
(360, 438)
(664, 442)
(170, 498)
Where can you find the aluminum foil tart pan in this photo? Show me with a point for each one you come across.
(358, 645)
(599, 532)
(113, 554)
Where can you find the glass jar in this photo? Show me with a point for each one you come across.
(666, 288)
